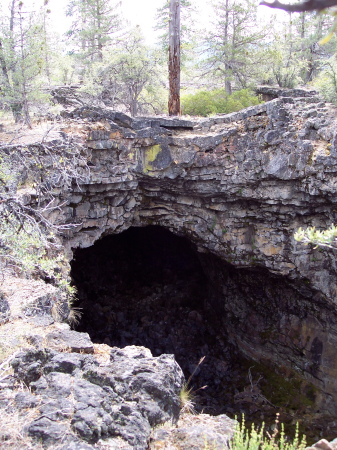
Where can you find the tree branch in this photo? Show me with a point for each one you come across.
(309, 5)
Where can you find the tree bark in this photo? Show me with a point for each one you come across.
(174, 58)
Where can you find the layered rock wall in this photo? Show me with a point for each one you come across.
(237, 186)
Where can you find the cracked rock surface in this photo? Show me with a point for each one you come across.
(76, 398)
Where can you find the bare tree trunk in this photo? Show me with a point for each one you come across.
(24, 91)
(174, 58)
(16, 104)
(228, 84)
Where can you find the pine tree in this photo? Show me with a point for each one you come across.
(95, 22)
(294, 53)
(230, 48)
(22, 47)
(128, 74)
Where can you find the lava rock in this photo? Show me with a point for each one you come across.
(75, 396)
(26, 400)
(5, 311)
(195, 433)
(69, 339)
(47, 431)
(28, 364)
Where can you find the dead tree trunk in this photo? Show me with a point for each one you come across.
(174, 58)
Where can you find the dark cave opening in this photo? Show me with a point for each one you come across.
(146, 286)
(149, 287)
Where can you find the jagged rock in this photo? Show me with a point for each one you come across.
(323, 444)
(237, 186)
(68, 339)
(194, 433)
(41, 303)
(28, 365)
(75, 396)
(66, 95)
(77, 445)
(26, 400)
(5, 310)
(269, 93)
(48, 431)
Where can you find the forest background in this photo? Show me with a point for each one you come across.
(228, 48)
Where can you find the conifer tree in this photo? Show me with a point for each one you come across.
(22, 50)
(95, 23)
(230, 47)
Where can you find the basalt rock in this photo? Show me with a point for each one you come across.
(4, 309)
(75, 398)
(237, 186)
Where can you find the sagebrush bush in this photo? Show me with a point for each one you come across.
(259, 439)
(217, 101)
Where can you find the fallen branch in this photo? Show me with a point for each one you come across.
(309, 5)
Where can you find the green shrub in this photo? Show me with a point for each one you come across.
(217, 101)
(259, 439)
(324, 238)
(326, 81)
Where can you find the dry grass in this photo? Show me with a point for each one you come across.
(74, 316)
(187, 400)
(12, 424)
(102, 353)
(12, 133)
(13, 336)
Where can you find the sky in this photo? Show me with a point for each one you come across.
(138, 12)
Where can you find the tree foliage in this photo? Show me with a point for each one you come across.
(231, 48)
(129, 77)
(326, 81)
(28, 229)
(113, 64)
(295, 52)
(95, 22)
(187, 35)
(22, 58)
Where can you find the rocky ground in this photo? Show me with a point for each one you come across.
(59, 390)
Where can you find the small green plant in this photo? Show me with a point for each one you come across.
(310, 235)
(204, 103)
(187, 393)
(259, 439)
(186, 399)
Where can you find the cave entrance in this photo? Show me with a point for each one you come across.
(146, 286)
(149, 287)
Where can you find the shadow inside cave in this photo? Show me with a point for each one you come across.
(149, 287)
(146, 286)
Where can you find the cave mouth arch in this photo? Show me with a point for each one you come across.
(138, 275)
(147, 286)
